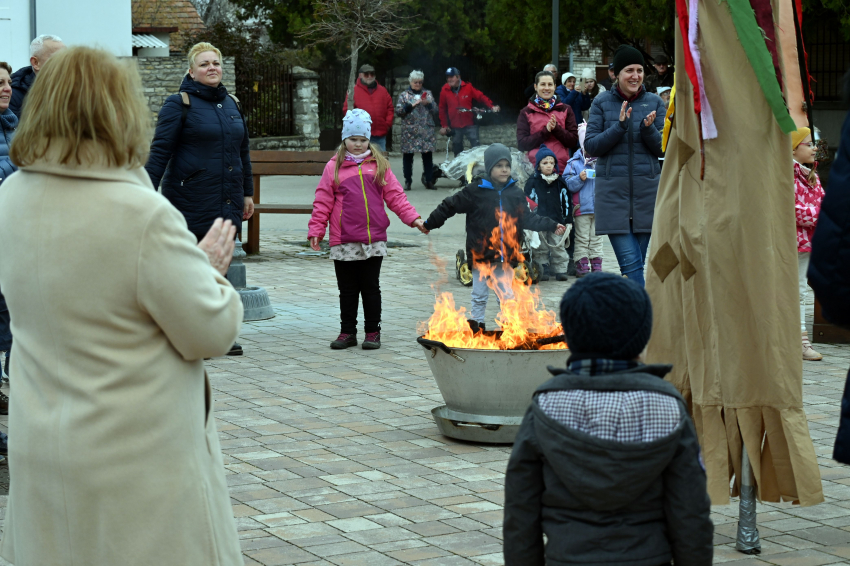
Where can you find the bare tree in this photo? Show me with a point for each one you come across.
(212, 11)
(359, 23)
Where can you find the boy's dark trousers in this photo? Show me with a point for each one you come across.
(357, 279)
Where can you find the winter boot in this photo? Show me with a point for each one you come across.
(582, 267)
(596, 264)
(372, 341)
(809, 354)
(408, 184)
(561, 276)
(235, 350)
(344, 341)
(476, 326)
(571, 269)
(544, 272)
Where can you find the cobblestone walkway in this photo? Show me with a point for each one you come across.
(333, 458)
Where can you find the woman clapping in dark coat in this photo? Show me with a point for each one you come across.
(624, 132)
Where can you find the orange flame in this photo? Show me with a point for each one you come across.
(523, 317)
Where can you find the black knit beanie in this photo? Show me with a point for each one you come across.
(606, 316)
(627, 55)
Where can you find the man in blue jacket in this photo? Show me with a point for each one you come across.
(829, 268)
(41, 49)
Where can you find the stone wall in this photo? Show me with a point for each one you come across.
(161, 77)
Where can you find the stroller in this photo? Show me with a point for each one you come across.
(465, 167)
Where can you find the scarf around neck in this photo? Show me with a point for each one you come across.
(546, 105)
(598, 366)
(549, 178)
(358, 159)
(9, 120)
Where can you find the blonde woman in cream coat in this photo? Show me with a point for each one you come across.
(113, 454)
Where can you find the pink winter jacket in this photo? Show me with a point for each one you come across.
(355, 206)
(807, 201)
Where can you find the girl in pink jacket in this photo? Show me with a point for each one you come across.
(808, 196)
(355, 184)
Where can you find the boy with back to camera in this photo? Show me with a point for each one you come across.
(482, 200)
(606, 463)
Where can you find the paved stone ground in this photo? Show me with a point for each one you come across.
(333, 459)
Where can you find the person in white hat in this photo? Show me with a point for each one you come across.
(590, 88)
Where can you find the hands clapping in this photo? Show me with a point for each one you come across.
(218, 244)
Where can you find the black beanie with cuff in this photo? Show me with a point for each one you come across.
(627, 55)
(606, 316)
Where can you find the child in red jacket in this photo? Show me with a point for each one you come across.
(808, 196)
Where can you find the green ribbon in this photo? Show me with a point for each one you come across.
(752, 40)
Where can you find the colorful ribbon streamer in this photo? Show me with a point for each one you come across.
(709, 130)
(752, 40)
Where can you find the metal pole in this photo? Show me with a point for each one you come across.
(748, 533)
(556, 52)
(33, 26)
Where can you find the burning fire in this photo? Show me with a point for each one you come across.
(523, 317)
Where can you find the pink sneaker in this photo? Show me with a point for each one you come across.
(372, 341)
(344, 341)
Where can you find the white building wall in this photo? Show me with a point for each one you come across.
(15, 32)
(107, 24)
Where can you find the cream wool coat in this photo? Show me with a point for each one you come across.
(114, 456)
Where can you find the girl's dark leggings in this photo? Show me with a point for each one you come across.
(357, 279)
(407, 165)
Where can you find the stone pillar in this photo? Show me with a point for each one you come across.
(306, 102)
(255, 300)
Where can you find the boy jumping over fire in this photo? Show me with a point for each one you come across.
(496, 214)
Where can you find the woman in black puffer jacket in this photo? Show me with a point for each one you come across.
(624, 132)
(200, 151)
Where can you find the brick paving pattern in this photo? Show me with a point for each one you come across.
(333, 459)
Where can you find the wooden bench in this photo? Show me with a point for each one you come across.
(825, 333)
(268, 163)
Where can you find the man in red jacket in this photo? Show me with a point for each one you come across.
(374, 99)
(458, 94)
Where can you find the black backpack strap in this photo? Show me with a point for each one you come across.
(184, 110)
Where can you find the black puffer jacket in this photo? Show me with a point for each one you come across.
(603, 502)
(481, 203)
(829, 268)
(553, 199)
(628, 170)
(22, 81)
(204, 163)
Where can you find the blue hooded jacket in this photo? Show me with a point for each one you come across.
(8, 123)
(204, 162)
(585, 189)
(574, 99)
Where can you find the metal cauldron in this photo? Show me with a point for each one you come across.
(486, 391)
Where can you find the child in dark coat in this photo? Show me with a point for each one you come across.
(606, 463)
(549, 191)
(482, 200)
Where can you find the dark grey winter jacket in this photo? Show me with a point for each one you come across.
(628, 170)
(602, 502)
